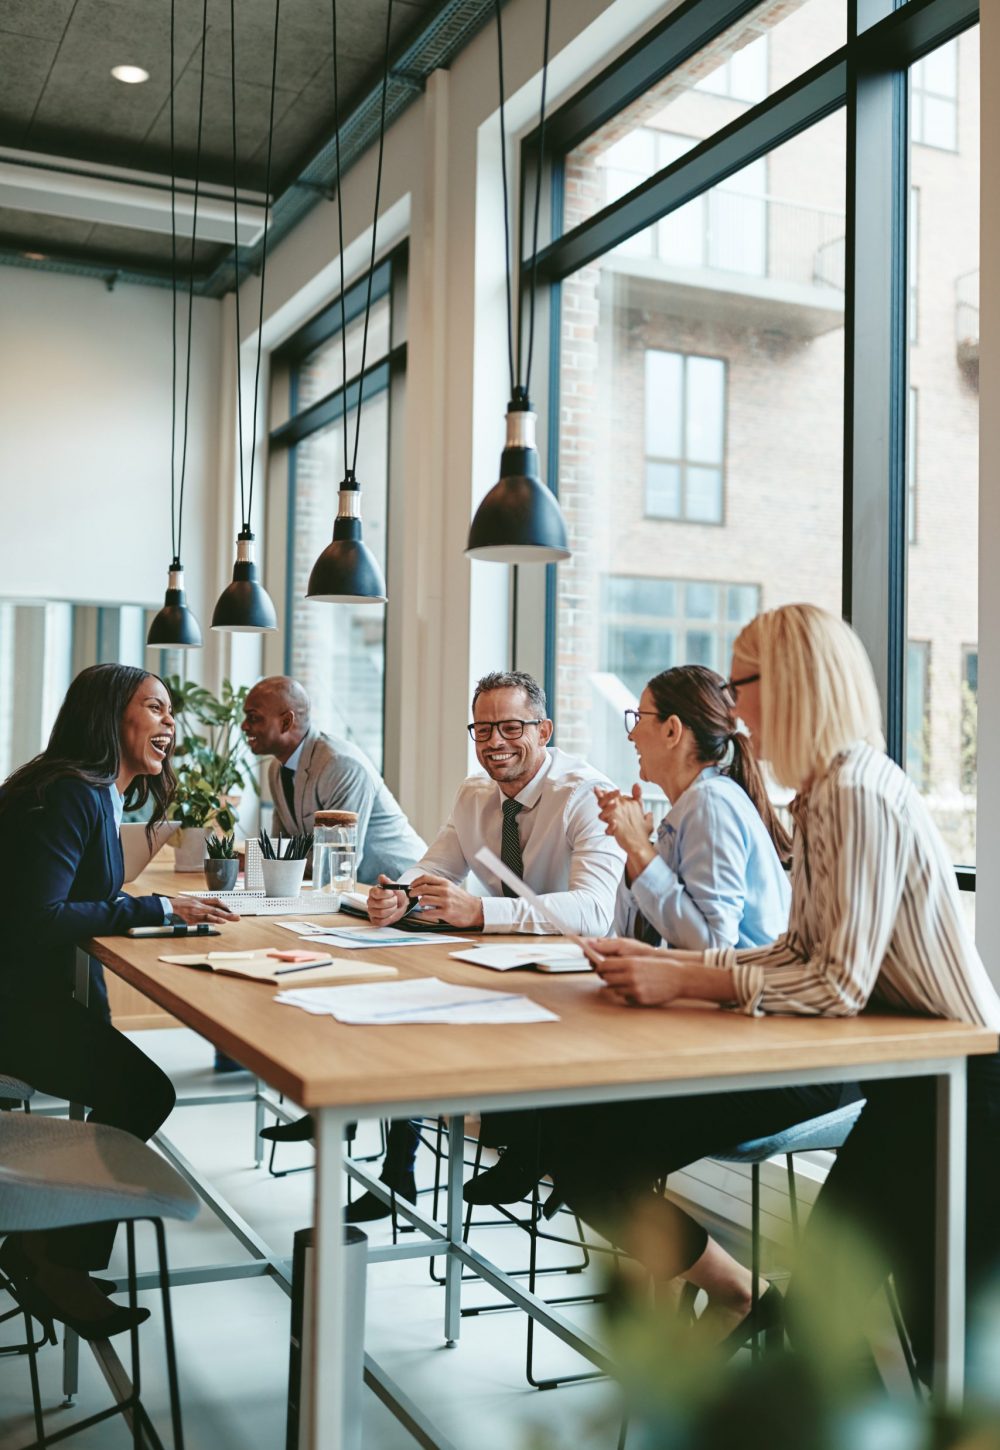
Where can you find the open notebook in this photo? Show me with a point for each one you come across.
(310, 968)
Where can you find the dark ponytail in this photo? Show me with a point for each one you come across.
(698, 697)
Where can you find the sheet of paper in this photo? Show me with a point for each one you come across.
(364, 938)
(426, 999)
(489, 858)
(506, 958)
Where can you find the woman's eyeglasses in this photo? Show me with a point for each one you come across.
(731, 686)
(632, 718)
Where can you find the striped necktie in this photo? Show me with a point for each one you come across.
(510, 842)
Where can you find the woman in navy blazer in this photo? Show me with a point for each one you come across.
(61, 874)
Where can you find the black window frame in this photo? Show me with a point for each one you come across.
(868, 78)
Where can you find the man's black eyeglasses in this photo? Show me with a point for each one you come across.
(482, 730)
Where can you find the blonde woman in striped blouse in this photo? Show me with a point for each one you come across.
(875, 918)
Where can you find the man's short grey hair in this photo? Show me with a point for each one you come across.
(513, 680)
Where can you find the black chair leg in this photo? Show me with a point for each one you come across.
(168, 1336)
(134, 1338)
(36, 1396)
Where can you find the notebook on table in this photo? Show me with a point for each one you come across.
(307, 969)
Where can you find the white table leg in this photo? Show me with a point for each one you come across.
(949, 1277)
(453, 1221)
(329, 1330)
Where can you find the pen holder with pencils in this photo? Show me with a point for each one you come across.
(283, 878)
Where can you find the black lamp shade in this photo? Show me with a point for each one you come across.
(175, 626)
(519, 521)
(245, 606)
(347, 571)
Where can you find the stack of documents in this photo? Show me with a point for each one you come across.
(426, 999)
(562, 957)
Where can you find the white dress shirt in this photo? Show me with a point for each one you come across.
(567, 857)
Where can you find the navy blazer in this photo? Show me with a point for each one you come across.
(61, 874)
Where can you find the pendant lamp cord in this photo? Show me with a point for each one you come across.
(371, 264)
(173, 301)
(236, 262)
(194, 237)
(246, 500)
(263, 256)
(538, 200)
(340, 228)
(506, 206)
(515, 371)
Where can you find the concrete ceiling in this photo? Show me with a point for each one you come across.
(62, 110)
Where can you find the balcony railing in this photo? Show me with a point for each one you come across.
(751, 236)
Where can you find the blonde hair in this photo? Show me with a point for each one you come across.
(817, 689)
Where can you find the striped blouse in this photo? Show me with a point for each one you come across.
(875, 912)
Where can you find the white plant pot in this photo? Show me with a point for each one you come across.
(190, 854)
(283, 878)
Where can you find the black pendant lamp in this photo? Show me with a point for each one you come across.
(245, 606)
(519, 521)
(347, 572)
(175, 626)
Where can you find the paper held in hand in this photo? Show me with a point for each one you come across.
(488, 858)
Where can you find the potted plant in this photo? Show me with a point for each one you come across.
(221, 864)
(211, 761)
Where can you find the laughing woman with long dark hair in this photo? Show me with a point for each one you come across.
(61, 874)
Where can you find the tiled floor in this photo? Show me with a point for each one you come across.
(233, 1337)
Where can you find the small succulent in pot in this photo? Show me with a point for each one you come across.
(221, 863)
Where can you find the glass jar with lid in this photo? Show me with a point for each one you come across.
(335, 851)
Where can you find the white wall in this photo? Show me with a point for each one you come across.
(85, 442)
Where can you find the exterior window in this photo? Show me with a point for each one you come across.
(918, 654)
(685, 436)
(742, 77)
(934, 98)
(969, 687)
(911, 469)
(651, 625)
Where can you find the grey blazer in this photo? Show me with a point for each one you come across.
(334, 775)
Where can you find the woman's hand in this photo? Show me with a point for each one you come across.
(631, 826)
(194, 909)
(640, 981)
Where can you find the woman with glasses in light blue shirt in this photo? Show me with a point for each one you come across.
(714, 875)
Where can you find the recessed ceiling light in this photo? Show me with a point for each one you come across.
(132, 75)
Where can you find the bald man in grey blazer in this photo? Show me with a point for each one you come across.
(312, 772)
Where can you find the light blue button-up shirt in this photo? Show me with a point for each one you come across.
(715, 879)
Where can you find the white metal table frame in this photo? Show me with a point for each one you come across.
(329, 1327)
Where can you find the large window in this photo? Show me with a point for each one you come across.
(685, 436)
(338, 651)
(707, 213)
(943, 447)
(734, 364)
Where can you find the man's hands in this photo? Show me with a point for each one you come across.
(447, 902)
(385, 907)
(193, 909)
(442, 899)
(631, 826)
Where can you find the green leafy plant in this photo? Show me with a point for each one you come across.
(220, 848)
(211, 758)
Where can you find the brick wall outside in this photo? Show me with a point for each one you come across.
(782, 526)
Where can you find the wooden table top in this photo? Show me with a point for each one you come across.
(319, 1062)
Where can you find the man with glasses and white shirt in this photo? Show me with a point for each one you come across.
(535, 807)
